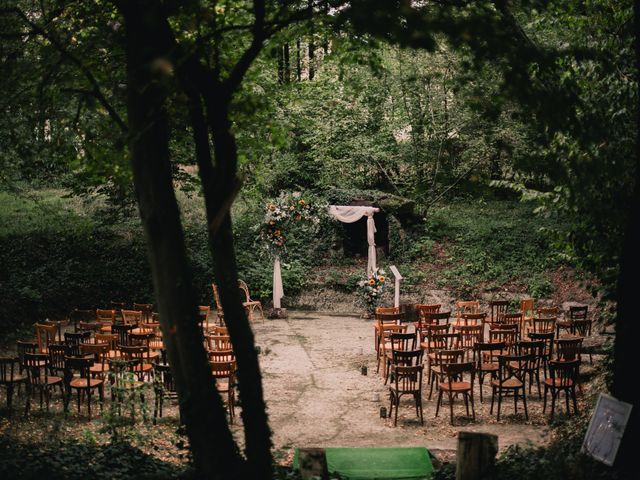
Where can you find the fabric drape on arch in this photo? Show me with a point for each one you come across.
(345, 214)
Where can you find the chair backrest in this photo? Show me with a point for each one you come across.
(568, 348)
(389, 318)
(548, 312)
(547, 338)
(223, 370)
(131, 317)
(221, 356)
(80, 365)
(423, 309)
(444, 341)
(219, 342)
(23, 348)
(511, 319)
(135, 353)
(110, 339)
(469, 335)
(164, 377)
(122, 332)
(467, 306)
(438, 318)
(578, 312)
(582, 327)
(563, 374)
(45, 334)
(220, 330)
(7, 368)
(442, 357)
(488, 352)
(98, 350)
(455, 372)
(141, 339)
(106, 317)
(408, 379)
(37, 368)
(57, 354)
(543, 324)
(535, 348)
(73, 341)
(88, 326)
(402, 341)
(497, 309)
(242, 285)
(526, 308)
(145, 308)
(473, 318)
(407, 358)
(387, 310)
(507, 335)
(510, 366)
(427, 331)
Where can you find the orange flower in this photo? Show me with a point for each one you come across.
(381, 278)
(301, 202)
(277, 233)
(372, 281)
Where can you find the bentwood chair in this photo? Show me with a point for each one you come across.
(497, 309)
(39, 378)
(438, 360)
(45, 334)
(400, 342)
(164, 387)
(224, 374)
(10, 377)
(82, 383)
(562, 378)
(453, 383)
(406, 381)
(536, 349)
(462, 307)
(249, 304)
(107, 318)
(485, 358)
(527, 311)
(422, 309)
(382, 319)
(511, 380)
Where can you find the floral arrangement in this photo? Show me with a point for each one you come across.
(287, 207)
(372, 289)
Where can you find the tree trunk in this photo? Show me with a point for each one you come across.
(280, 57)
(214, 451)
(627, 334)
(312, 46)
(298, 61)
(287, 64)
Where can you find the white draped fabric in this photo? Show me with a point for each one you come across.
(350, 214)
(278, 291)
(346, 214)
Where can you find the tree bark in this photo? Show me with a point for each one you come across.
(287, 64)
(298, 61)
(214, 451)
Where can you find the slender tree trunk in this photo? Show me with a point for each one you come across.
(298, 61)
(627, 331)
(287, 64)
(214, 451)
(312, 45)
(280, 57)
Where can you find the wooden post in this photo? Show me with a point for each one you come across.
(398, 277)
(476, 455)
(313, 463)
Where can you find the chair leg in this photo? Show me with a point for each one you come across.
(450, 406)
(575, 401)
(473, 407)
(544, 402)
(499, 402)
(480, 382)
(440, 392)
(524, 401)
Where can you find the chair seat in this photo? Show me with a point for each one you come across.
(82, 383)
(105, 329)
(16, 378)
(142, 367)
(51, 380)
(488, 367)
(454, 386)
(557, 383)
(509, 383)
(99, 368)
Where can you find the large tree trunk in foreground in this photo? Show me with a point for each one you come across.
(215, 453)
(627, 331)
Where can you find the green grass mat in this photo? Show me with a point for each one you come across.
(377, 463)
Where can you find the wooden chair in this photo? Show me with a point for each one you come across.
(248, 303)
(437, 318)
(527, 311)
(507, 335)
(39, 378)
(99, 352)
(382, 319)
(437, 360)
(562, 378)
(400, 342)
(73, 341)
(454, 384)
(221, 356)
(384, 350)
(10, 377)
(58, 324)
(548, 312)
(512, 319)
(485, 359)
(58, 352)
(164, 387)
(110, 339)
(422, 309)
(107, 318)
(511, 379)
(426, 337)
(473, 319)
(24, 348)
(469, 335)
(224, 374)
(219, 342)
(83, 384)
(91, 327)
(216, 298)
(547, 338)
(497, 309)
(144, 339)
(146, 309)
(139, 360)
(385, 310)
(131, 317)
(406, 381)
(575, 313)
(123, 333)
(203, 317)
(568, 349)
(543, 325)
(471, 306)
(582, 328)
(45, 334)
(535, 349)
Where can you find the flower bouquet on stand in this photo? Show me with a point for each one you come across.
(371, 290)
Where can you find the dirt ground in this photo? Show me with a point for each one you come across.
(317, 395)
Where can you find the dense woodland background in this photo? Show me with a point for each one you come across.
(500, 155)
